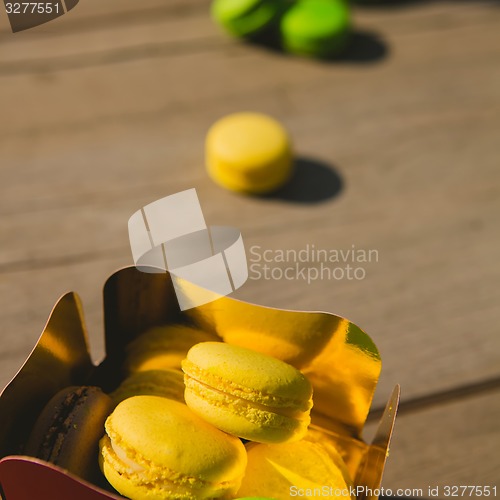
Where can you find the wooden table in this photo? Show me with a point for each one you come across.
(105, 110)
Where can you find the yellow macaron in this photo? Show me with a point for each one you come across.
(156, 448)
(165, 383)
(295, 469)
(249, 152)
(246, 393)
(162, 347)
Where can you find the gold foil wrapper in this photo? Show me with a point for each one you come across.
(340, 360)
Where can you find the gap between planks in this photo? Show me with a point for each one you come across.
(439, 398)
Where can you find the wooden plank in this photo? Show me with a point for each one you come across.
(93, 14)
(76, 48)
(104, 29)
(95, 22)
(395, 303)
(450, 445)
(170, 101)
(177, 28)
(413, 139)
(420, 18)
(73, 174)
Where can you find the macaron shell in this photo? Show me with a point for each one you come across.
(248, 182)
(155, 485)
(67, 431)
(249, 152)
(240, 418)
(276, 468)
(316, 27)
(249, 374)
(165, 383)
(154, 360)
(245, 17)
(246, 393)
(318, 436)
(163, 347)
(173, 451)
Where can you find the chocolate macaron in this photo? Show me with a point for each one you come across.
(68, 430)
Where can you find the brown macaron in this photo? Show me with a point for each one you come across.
(68, 430)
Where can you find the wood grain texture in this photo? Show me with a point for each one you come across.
(106, 110)
(449, 445)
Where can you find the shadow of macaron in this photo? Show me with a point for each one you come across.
(313, 181)
(362, 47)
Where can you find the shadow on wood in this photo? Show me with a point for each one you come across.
(313, 181)
(363, 47)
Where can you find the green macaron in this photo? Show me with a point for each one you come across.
(245, 18)
(317, 28)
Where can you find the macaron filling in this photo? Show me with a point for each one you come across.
(148, 475)
(271, 402)
(249, 413)
(122, 456)
(277, 416)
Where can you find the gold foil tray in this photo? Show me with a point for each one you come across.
(341, 361)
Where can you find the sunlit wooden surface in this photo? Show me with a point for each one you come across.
(398, 148)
